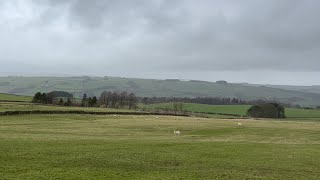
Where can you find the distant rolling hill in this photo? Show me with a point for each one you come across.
(309, 89)
(152, 87)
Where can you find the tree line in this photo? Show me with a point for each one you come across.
(118, 99)
(206, 100)
(50, 98)
(112, 99)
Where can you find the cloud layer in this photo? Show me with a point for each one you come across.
(160, 36)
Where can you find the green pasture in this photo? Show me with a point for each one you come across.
(233, 109)
(11, 97)
(130, 147)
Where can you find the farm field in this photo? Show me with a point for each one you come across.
(241, 110)
(13, 106)
(124, 147)
(11, 97)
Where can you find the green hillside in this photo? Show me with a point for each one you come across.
(11, 97)
(234, 109)
(308, 89)
(150, 87)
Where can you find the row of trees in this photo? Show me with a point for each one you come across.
(118, 99)
(88, 101)
(114, 99)
(204, 100)
(50, 98)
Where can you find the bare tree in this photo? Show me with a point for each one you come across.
(132, 101)
(123, 97)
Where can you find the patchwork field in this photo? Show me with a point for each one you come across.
(134, 147)
(241, 110)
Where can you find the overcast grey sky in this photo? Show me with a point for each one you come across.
(257, 41)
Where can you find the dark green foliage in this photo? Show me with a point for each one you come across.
(68, 103)
(40, 98)
(60, 102)
(92, 101)
(269, 110)
(36, 98)
(84, 100)
(49, 98)
(88, 101)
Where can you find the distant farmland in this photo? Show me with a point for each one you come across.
(233, 109)
(151, 87)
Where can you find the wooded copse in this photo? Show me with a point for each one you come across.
(112, 99)
(118, 99)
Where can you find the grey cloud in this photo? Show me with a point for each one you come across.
(170, 36)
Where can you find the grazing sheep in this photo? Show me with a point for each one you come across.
(239, 124)
(114, 115)
(157, 117)
(176, 133)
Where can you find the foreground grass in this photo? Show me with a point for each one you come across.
(12, 97)
(234, 109)
(134, 147)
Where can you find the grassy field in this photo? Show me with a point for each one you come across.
(11, 97)
(201, 109)
(234, 109)
(124, 147)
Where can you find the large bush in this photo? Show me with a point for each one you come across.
(269, 110)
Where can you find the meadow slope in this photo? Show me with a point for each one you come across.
(124, 147)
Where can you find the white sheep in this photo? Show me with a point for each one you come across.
(114, 115)
(157, 117)
(176, 133)
(239, 124)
